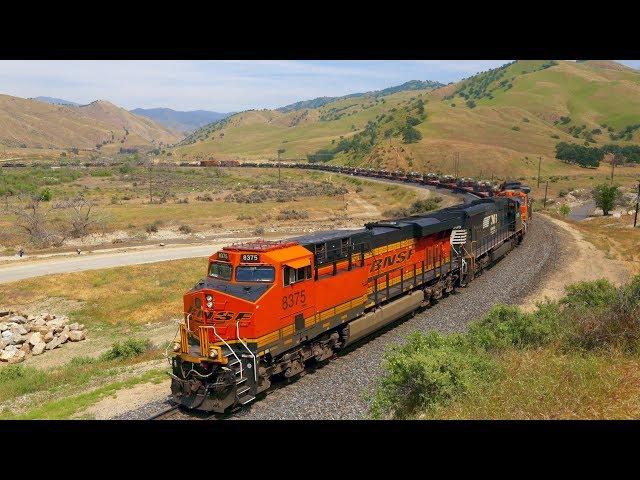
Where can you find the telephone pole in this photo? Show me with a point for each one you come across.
(635, 218)
(150, 191)
(544, 205)
(613, 165)
(539, 165)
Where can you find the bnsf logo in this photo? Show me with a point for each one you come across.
(223, 316)
(389, 260)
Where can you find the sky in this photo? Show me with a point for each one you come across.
(222, 86)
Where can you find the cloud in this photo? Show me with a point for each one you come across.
(229, 85)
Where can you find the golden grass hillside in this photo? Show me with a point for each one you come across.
(33, 124)
(519, 112)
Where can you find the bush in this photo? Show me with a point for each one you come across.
(127, 349)
(471, 104)
(46, 195)
(430, 370)
(564, 210)
(186, 229)
(151, 228)
(606, 196)
(506, 326)
(292, 214)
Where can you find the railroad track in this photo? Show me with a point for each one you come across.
(175, 412)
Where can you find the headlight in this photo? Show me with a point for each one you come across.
(176, 347)
(209, 299)
(213, 353)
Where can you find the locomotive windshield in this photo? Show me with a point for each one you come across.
(220, 270)
(255, 274)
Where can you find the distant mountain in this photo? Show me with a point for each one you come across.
(98, 125)
(56, 101)
(185, 122)
(320, 101)
(500, 122)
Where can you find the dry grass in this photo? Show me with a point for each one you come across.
(545, 384)
(125, 295)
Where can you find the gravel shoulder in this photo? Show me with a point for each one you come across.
(338, 390)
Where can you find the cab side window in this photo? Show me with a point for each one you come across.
(295, 275)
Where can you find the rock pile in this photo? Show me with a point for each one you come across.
(22, 335)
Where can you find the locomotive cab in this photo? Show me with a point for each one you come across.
(228, 316)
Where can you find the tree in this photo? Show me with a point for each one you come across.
(33, 217)
(410, 134)
(80, 215)
(606, 196)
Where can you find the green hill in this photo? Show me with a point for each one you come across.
(497, 121)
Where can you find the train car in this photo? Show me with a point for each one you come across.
(267, 309)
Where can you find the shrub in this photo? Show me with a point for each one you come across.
(506, 326)
(46, 195)
(186, 229)
(292, 214)
(564, 210)
(430, 370)
(606, 196)
(516, 128)
(258, 231)
(471, 104)
(127, 349)
(594, 295)
(151, 228)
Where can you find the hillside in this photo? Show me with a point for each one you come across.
(497, 121)
(185, 122)
(320, 101)
(56, 101)
(35, 124)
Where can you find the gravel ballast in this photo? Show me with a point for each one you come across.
(338, 390)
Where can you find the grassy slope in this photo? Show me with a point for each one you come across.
(41, 125)
(590, 93)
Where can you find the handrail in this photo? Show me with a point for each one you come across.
(231, 349)
(255, 365)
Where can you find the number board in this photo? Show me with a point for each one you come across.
(223, 256)
(250, 258)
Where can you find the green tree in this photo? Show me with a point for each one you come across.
(410, 134)
(606, 196)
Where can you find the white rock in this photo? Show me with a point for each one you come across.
(3, 344)
(64, 336)
(48, 336)
(39, 322)
(76, 335)
(7, 335)
(55, 343)
(35, 338)
(4, 326)
(38, 348)
(6, 355)
(17, 319)
(18, 357)
(10, 348)
(74, 326)
(19, 330)
(26, 348)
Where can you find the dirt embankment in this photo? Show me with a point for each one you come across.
(578, 260)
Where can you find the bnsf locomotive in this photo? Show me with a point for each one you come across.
(266, 309)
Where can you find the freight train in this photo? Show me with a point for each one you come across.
(268, 309)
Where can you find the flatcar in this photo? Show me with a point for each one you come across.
(267, 309)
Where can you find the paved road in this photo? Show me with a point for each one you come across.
(19, 271)
(35, 268)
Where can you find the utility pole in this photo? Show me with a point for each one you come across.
(539, 165)
(613, 165)
(544, 205)
(280, 150)
(150, 190)
(635, 219)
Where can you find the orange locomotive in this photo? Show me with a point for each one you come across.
(265, 309)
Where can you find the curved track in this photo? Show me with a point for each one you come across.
(338, 389)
